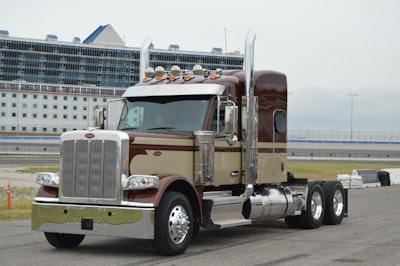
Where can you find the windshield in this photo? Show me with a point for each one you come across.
(167, 113)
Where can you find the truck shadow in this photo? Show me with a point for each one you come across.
(207, 240)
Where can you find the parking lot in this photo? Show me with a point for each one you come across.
(369, 236)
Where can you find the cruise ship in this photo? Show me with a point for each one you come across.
(51, 86)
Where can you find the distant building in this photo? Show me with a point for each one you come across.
(50, 86)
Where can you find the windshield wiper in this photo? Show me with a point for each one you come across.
(128, 128)
(160, 128)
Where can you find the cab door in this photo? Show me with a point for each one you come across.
(227, 153)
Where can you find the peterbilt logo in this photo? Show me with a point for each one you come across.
(157, 153)
(89, 135)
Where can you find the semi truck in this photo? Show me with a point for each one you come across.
(193, 150)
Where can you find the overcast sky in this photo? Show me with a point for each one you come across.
(327, 49)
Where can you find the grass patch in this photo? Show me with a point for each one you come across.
(37, 169)
(21, 200)
(20, 209)
(315, 170)
(18, 192)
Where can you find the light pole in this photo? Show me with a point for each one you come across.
(352, 95)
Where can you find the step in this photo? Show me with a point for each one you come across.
(224, 209)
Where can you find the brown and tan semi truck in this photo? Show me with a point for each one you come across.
(192, 149)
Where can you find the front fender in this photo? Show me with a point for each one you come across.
(168, 182)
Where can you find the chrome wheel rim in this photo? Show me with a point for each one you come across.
(316, 205)
(338, 202)
(178, 224)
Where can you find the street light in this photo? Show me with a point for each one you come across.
(351, 115)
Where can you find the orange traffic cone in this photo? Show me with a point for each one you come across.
(8, 196)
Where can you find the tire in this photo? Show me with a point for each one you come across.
(313, 216)
(334, 204)
(293, 222)
(173, 224)
(64, 240)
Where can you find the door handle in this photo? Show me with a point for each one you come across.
(234, 173)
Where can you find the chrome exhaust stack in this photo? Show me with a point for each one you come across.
(144, 57)
(250, 112)
(248, 65)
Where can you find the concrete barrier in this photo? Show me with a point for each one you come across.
(394, 175)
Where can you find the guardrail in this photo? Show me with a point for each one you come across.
(30, 145)
(350, 151)
(22, 149)
(343, 155)
(343, 135)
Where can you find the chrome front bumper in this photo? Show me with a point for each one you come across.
(93, 220)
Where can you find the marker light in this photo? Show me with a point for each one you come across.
(148, 74)
(159, 72)
(47, 179)
(139, 182)
(197, 69)
(175, 70)
(188, 77)
(214, 76)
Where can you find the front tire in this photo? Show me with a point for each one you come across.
(334, 208)
(173, 224)
(313, 217)
(59, 240)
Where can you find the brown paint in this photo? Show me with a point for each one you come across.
(47, 192)
(154, 195)
(271, 89)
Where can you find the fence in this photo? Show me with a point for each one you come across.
(50, 145)
(338, 135)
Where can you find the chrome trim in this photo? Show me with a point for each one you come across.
(91, 168)
(136, 204)
(204, 169)
(248, 64)
(45, 199)
(251, 137)
(174, 89)
(251, 102)
(107, 221)
(268, 205)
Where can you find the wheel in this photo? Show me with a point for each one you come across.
(64, 240)
(293, 222)
(334, 206)
(173, 224)
(314, 215)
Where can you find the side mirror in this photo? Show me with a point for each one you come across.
(113, 115)
(231, 117)
(99, 117)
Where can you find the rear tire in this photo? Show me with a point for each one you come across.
(314, 215)
(293, 222)
(335, 205)
(59, 240)
(173, 224)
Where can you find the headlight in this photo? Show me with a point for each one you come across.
(139, 181)
(48, 179)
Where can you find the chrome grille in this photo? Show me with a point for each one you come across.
(89, 169)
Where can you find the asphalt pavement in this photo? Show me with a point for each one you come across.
(369, 236)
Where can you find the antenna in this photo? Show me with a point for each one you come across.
(226, 53)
